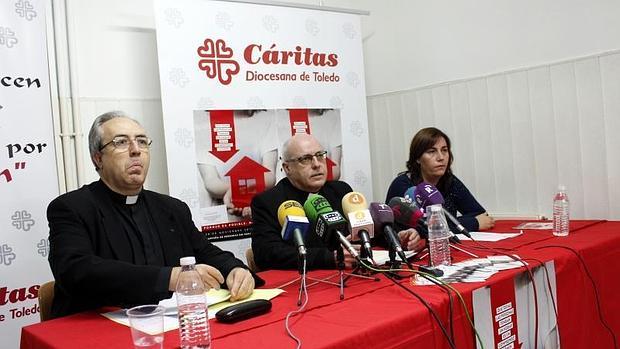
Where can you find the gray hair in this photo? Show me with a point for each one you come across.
(95, 133)
(285, 150)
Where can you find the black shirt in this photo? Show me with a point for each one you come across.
(141, 232)
(273, 252)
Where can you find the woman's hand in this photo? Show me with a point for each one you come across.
(485, 221)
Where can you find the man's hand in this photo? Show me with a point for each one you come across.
(244, 212)
(211, 277)
(410, 240)
(240, 283)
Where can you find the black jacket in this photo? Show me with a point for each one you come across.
(270, 250)
(91, 257)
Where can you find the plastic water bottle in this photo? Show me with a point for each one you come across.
(560, 212)
(438, 236)
(192, 305)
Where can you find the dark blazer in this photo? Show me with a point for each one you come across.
(270, 250)
(91, 257)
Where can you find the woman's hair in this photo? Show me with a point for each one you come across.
(421, 142)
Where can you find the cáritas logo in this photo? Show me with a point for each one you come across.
(217, 61)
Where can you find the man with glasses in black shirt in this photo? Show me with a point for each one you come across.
(304, 163)
(114, 243)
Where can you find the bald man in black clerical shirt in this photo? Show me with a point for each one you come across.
(114, 243)
(304, 162)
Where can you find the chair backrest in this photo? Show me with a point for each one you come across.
(46, 296)
(249, 257)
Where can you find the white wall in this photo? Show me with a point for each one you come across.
(410, 46)
(505, 80)
(516, 135)
(415, 43)
(115, 55)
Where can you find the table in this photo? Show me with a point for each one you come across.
(381, 315)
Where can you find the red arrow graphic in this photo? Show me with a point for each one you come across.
(299, 121)
(223, 142)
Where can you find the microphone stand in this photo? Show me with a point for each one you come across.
(302, 274)
(365, 259)
(454, 239)
(454, 246)
(341, 267)
(340, 264)
(393, 263)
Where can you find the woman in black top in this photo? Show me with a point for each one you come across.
(430, 159)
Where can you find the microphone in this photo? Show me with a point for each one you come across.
(344, 242)
(410, 193)
(294, 224)
(405, 212)
(408, 215)
(329, 223)
(355, 208)
(384, 218)
(427, 194)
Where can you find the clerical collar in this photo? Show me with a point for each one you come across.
(120, 198)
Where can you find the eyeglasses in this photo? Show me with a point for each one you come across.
(305, 160)
(122, 142)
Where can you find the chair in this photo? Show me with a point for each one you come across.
(46, 296)
(249, 257)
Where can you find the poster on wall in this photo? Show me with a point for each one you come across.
(27, 161)
(237, 80)
(239, 154)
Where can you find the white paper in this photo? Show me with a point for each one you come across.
(535, 225)
(216, 299)
(483, 236)
(473, 270)
(213, 297)
(382, 256)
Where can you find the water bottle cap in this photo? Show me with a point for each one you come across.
(561, 187)
(188, 260)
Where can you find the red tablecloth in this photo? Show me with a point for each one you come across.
(381, 315)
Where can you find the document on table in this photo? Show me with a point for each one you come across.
(213, 297)
(217, 299)
(483, 236)
(535, 225)
(382, 256)
(474, 270)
